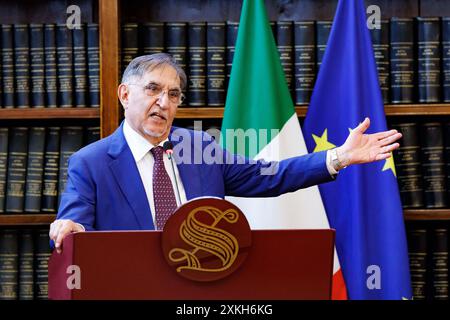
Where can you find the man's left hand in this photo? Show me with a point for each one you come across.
(364, 148)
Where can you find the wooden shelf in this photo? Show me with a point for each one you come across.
(391, 110)
(50, 113)
(26, 219)
(427, 214)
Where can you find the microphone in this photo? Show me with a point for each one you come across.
(168, 149)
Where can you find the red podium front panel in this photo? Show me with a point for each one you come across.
(281, 264)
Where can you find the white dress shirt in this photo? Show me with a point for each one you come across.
(140, 148)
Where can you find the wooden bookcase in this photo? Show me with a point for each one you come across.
(111, 13)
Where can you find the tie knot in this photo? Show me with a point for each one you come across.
(157, 153)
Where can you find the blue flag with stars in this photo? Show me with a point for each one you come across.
(363, 204)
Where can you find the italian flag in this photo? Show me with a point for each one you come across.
(258, 100)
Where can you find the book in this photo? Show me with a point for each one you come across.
(64, 61)
(215, 63)
(51, 170)
(445, 26)
(37, 65)
(417, 251)
(3, 166)
(305, 60)
(439, 256)
(408, 165)
(80, 66)
(7, 47)
(323, 29)
(22, 65)
(9, 260)
(41, 257)
(402, 60)
(285, 46)
(232, 32)
(26, 265)
(51, 73)
(130, 48)
(93, 65)
(197, 64)
(35, 169)
(152, 37)
(429, 59)
(433, 165)
(17, 165)
(71, 141)
(176, 45)
(92, 134)
(380, 42)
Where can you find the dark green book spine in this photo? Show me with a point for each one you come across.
(408, 166)
(152, 37)
(22, 65)
(380, 42)
(26, 265)
(197, 63)
(285, 45)
(71, 141)
(51, 80)
(130, 45)
(9, 263)
(80, 66)
(37, 65)
(92, 134)
(3, 166)
(439, 263)
(7, 47)
(41, 256)
(232, 32)
(176, 45)
(402, 60)
(64, 58)
(215, 63)
(305, 61)
(417, 249)
(51, 167)
(429, 59)
(17, 167)
(35, 170)
(447, 156)
(93, 62)
(323, 29)
(433, 165)
(446, 59)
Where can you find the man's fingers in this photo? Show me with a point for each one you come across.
(390, 139)
(62, 233)
(385, 152)
(54, 228)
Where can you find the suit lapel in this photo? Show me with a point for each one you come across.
(189, 172)
(126, 173)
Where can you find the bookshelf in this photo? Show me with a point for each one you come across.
(110, 14)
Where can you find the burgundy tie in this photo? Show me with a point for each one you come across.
(163, 195)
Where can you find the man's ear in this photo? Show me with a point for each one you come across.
(122, 94)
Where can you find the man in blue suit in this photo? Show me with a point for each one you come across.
(126, 181)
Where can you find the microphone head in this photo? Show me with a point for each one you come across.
(167, 146)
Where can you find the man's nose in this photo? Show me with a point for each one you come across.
(163, 99)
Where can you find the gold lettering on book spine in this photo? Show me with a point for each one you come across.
(209, 238)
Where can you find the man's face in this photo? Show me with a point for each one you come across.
(151, 116)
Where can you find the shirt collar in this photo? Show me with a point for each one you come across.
(139, 146)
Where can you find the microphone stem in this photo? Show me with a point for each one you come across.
(176, 180)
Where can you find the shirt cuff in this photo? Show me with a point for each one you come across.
(82, 227)
(330, 167)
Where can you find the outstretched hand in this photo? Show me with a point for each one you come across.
(365, 148)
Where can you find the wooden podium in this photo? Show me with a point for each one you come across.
(281, 264)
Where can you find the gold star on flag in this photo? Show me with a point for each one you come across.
(389, 164)
(322, 143)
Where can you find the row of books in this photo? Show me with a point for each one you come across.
(428, 261)
(33, 165)
(24, 255)
(412, 56)
(423, 164)
(49, 65)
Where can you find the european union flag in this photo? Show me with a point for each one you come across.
(363, 205)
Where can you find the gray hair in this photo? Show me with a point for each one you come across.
(139, 65)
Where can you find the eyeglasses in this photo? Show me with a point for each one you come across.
(156, 91)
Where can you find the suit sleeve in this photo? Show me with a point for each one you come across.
(78, 200)
(247, 178)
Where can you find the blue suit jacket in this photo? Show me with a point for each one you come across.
(104, 190)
